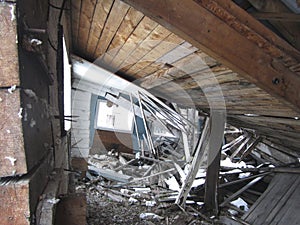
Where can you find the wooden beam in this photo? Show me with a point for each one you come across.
(276, 16)
(233, 37)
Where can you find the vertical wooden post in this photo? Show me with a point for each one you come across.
(217, 123)
(211, 184)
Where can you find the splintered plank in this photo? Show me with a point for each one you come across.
(101, 12)
(86, 17)
(9, 68)
(114, 20)
(12, 155)
(19, 196)
(143, 29)
(76, 8)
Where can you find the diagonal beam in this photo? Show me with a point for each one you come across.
(233, 37)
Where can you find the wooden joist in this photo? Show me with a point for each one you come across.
(250, 47)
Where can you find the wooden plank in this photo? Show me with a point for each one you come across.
(152, 41)
(101, 12)
(86, 17)
(20, 195)
(114, 20)
(270, 199)
(128, 25)
(76, 8)
(168, 43)
(12, 155)
(216, 22)
(9, 67)
(288, 29)
(143, 29)
(279, 16)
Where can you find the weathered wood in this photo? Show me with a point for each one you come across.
(216, 22)
(143, 29)
(86, 16)
(202, 146)
(279, 16)
(9, 67)
(101, 11)
(236, 194)
(72, 210)
(12, 155)
(116, 15)
(278, 204)
(288, 29)
(20, 195)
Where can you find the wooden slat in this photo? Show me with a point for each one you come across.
(157, 69)
(86, 16)
(76, 7)
(143, 29)
(152, 41)
(9, 68)
(130, 22)
(255, 52)
(101, 11)
(170, 42)
(277, 194)
(114, 20)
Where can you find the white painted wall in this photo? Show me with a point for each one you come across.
(81, 103)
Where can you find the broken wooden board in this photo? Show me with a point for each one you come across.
(111, 175)
(19, 196)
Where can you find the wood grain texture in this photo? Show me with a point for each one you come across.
(19, 196)
(241, 53)
(9, 67)
(12, 155)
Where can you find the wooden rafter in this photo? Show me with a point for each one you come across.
(233, 37)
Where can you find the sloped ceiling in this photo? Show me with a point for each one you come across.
(116, 36)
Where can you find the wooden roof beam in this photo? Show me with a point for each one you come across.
(233, 37)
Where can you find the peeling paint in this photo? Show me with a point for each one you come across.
(11, 159)
(12, 12)
(35, 42)
(20, 113)
(12, 89)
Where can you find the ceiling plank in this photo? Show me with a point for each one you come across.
(97, 24)
(234, 38)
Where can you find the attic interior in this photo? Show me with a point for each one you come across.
(149, 112)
